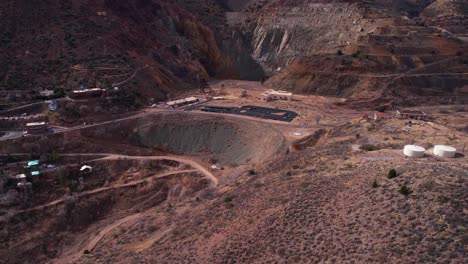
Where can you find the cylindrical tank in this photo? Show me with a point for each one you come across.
(444, 151)
(414, 151)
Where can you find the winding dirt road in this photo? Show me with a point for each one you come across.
(98, 190)
(190, 162)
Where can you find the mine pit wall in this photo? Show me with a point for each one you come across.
(230, 141)
(281, 34)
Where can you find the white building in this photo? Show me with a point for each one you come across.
(46, 93)
(181, 102)
(276, 95)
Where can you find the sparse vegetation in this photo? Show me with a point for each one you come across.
(392, 174)
(381, 108)
(375, 184)
(405, 190)
(228, 199)
(252, 172)
(369, 147)
(356, 54)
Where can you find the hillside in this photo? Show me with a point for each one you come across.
(160, 48)
(358, 49)
(150, 47)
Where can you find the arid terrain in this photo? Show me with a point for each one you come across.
(233, 131)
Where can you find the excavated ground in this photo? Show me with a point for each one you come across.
(230, 141)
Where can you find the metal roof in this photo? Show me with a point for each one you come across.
(33, 163)
(35, 124)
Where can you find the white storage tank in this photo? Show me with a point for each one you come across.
(414, 151)
(444, 151)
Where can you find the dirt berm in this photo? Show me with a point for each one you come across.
(230, 141)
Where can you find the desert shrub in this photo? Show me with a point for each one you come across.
(228, 199)
(405, 190)
(346, 62)
(375, 184)
(369, 147)
(381, 108)
(289, 173)
(252, 172)
(358, 136)
(392, 174)
(295, 167)
(356, 54)
(339, 53)
(86, 251)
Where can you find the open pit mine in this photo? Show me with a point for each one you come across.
(233, 131)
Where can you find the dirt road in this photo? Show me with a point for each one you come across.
(190, 162)
(98, 190)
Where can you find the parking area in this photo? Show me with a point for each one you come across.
(252, 111)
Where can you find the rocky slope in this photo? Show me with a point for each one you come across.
(319, 205)
(156, 48)
(357, 49)
(151, 47)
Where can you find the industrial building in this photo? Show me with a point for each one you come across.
(381, 116)
(276, 95)
(410, 114)
(84, 93)
(36, 127)
(182, 102)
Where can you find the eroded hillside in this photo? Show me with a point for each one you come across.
(149, 47)
(357, 50)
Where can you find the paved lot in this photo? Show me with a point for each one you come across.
(250, 110)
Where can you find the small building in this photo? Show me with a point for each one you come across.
(36, 127)
(19, 177)
(276, 95)
(86, 169)
(411, 114)
(33, 163)
(182, 102)
(381, 116)
(85, 93)
(46, 93)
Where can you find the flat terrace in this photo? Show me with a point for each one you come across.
(252, 111)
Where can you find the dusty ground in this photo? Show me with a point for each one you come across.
(326, 199)
(319, 205)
